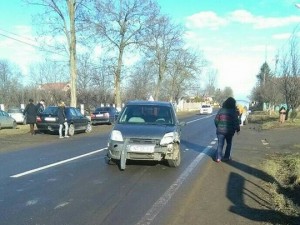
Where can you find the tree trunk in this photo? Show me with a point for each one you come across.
(73, 66)
(117, 94)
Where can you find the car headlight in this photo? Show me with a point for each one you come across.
(168, 138)
(116, 136)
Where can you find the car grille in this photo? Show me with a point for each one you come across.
(144, 141)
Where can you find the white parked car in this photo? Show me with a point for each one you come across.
(206, 109)
(17, 114)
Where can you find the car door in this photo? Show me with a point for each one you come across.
(72, 117)
(83, 119)
(5, 121)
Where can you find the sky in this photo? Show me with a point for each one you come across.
(235, 36)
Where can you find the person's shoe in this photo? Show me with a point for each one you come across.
(61, 137)
(66, 136)
(218, 160)
(226, 159)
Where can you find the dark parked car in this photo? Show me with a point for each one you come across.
(6, 121)
(104, 115)
(47, 121)
(145, 130)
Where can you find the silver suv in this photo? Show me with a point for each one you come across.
(145, 130)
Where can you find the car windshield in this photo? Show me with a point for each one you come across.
(146, 114)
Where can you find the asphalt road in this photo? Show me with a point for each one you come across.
(62, 182)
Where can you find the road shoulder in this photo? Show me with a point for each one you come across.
(236, 192)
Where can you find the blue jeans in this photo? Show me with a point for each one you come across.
(221, 142)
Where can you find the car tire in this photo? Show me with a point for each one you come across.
(88, 128)
(0, 126)
(110, 161)
(14, 125)
(175, 162)
(71, 130)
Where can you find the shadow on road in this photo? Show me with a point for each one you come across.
(239, 188)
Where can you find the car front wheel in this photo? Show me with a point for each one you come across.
(71, 130)
(175, 162)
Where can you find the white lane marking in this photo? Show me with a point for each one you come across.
(163, 200)
(56, 164)
(192, 121)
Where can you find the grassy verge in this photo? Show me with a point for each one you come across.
(285, 168)
(270, 121)
(285, 192)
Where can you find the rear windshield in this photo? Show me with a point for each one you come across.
(102, 109)
(50, 110)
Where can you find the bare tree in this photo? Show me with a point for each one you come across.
(11, 89)
(290, 75)
(211, 82)
(140, 83)
(183, 71)
(48, 71)
(121, 26)
(267, 90)
(59, 18)
(162, 40)
(94, 81)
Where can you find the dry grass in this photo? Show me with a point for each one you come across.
(21, 129)
(285, 192)
(285, 168)
(267, 121)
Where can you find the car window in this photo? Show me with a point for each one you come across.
(70, 112)
(4, 113)
(148, 114)
(14, 111)
(102, 109)
(78, 113)
(50, 110)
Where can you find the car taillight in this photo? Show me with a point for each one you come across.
(92, 115)
(38, 119)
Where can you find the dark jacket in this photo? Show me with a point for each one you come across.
(61, 115)
(30, 113)
(40, 108)
(227, 121)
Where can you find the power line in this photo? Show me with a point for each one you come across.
(23, 37)
(29, 44)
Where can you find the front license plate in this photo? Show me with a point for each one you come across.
(51, 119)
(141, 148)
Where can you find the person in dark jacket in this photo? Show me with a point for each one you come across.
(62, 120)
(40, 106)
(30, 112)
(227, 123)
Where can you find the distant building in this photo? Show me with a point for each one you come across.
(60, 86)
